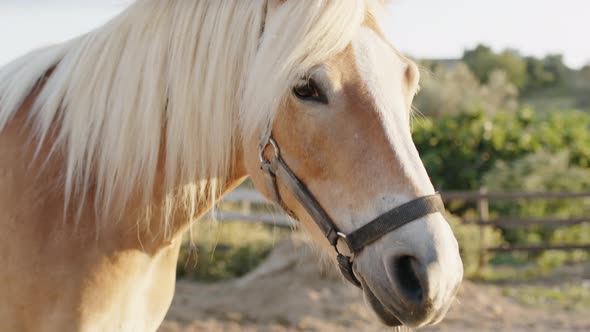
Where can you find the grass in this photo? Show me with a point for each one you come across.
(563, 287)
(569, 296)
(216, 251)
(501, 274)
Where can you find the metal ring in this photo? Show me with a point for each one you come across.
(350, 254)
(275, 147)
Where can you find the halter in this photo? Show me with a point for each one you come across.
(388, 222)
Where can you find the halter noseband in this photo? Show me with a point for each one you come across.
(388, 222)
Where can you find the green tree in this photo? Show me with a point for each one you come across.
(554, 64)
(581, 87)
(455, 89)
(514, 66)
(548, 72)
(483, 61)
(538, 76)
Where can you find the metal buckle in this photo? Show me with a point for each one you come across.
(349, 253)
(275, 147)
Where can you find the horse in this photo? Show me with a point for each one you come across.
(113, 143)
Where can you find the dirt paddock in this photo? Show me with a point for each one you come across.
(289, 292)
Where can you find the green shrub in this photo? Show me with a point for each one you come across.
(459, 149)
(540, 172)
(544, 172)
(469, 238)
(219, 251)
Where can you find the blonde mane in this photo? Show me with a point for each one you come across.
(171, 87)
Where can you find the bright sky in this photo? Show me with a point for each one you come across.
(420, 28)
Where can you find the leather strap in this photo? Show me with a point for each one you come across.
(278, 168)
(345, 266)
(357, 240)
(392, 220)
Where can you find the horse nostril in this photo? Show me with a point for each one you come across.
(409, 278)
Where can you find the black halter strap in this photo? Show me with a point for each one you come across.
(277, 168)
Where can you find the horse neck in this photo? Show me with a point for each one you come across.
(41, 184)
(166, 216)
(183, 212)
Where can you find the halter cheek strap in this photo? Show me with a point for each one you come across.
(276, 168)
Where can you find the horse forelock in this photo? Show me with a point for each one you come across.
(161, 95)
(297, 37)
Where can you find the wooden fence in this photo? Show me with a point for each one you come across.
(482, 199)
(246, 198)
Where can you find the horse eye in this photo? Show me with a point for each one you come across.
(310, 92)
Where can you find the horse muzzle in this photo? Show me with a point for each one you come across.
(411, 283)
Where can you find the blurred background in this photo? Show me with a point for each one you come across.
(502, 123)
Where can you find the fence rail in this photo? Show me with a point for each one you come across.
(474, 196)
(561, 247)
(520, 222)
(245, 198)
(482, 198)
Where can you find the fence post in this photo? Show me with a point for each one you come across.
(483, 214)
(246, 207)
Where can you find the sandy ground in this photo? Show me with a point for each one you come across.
(290, 292)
